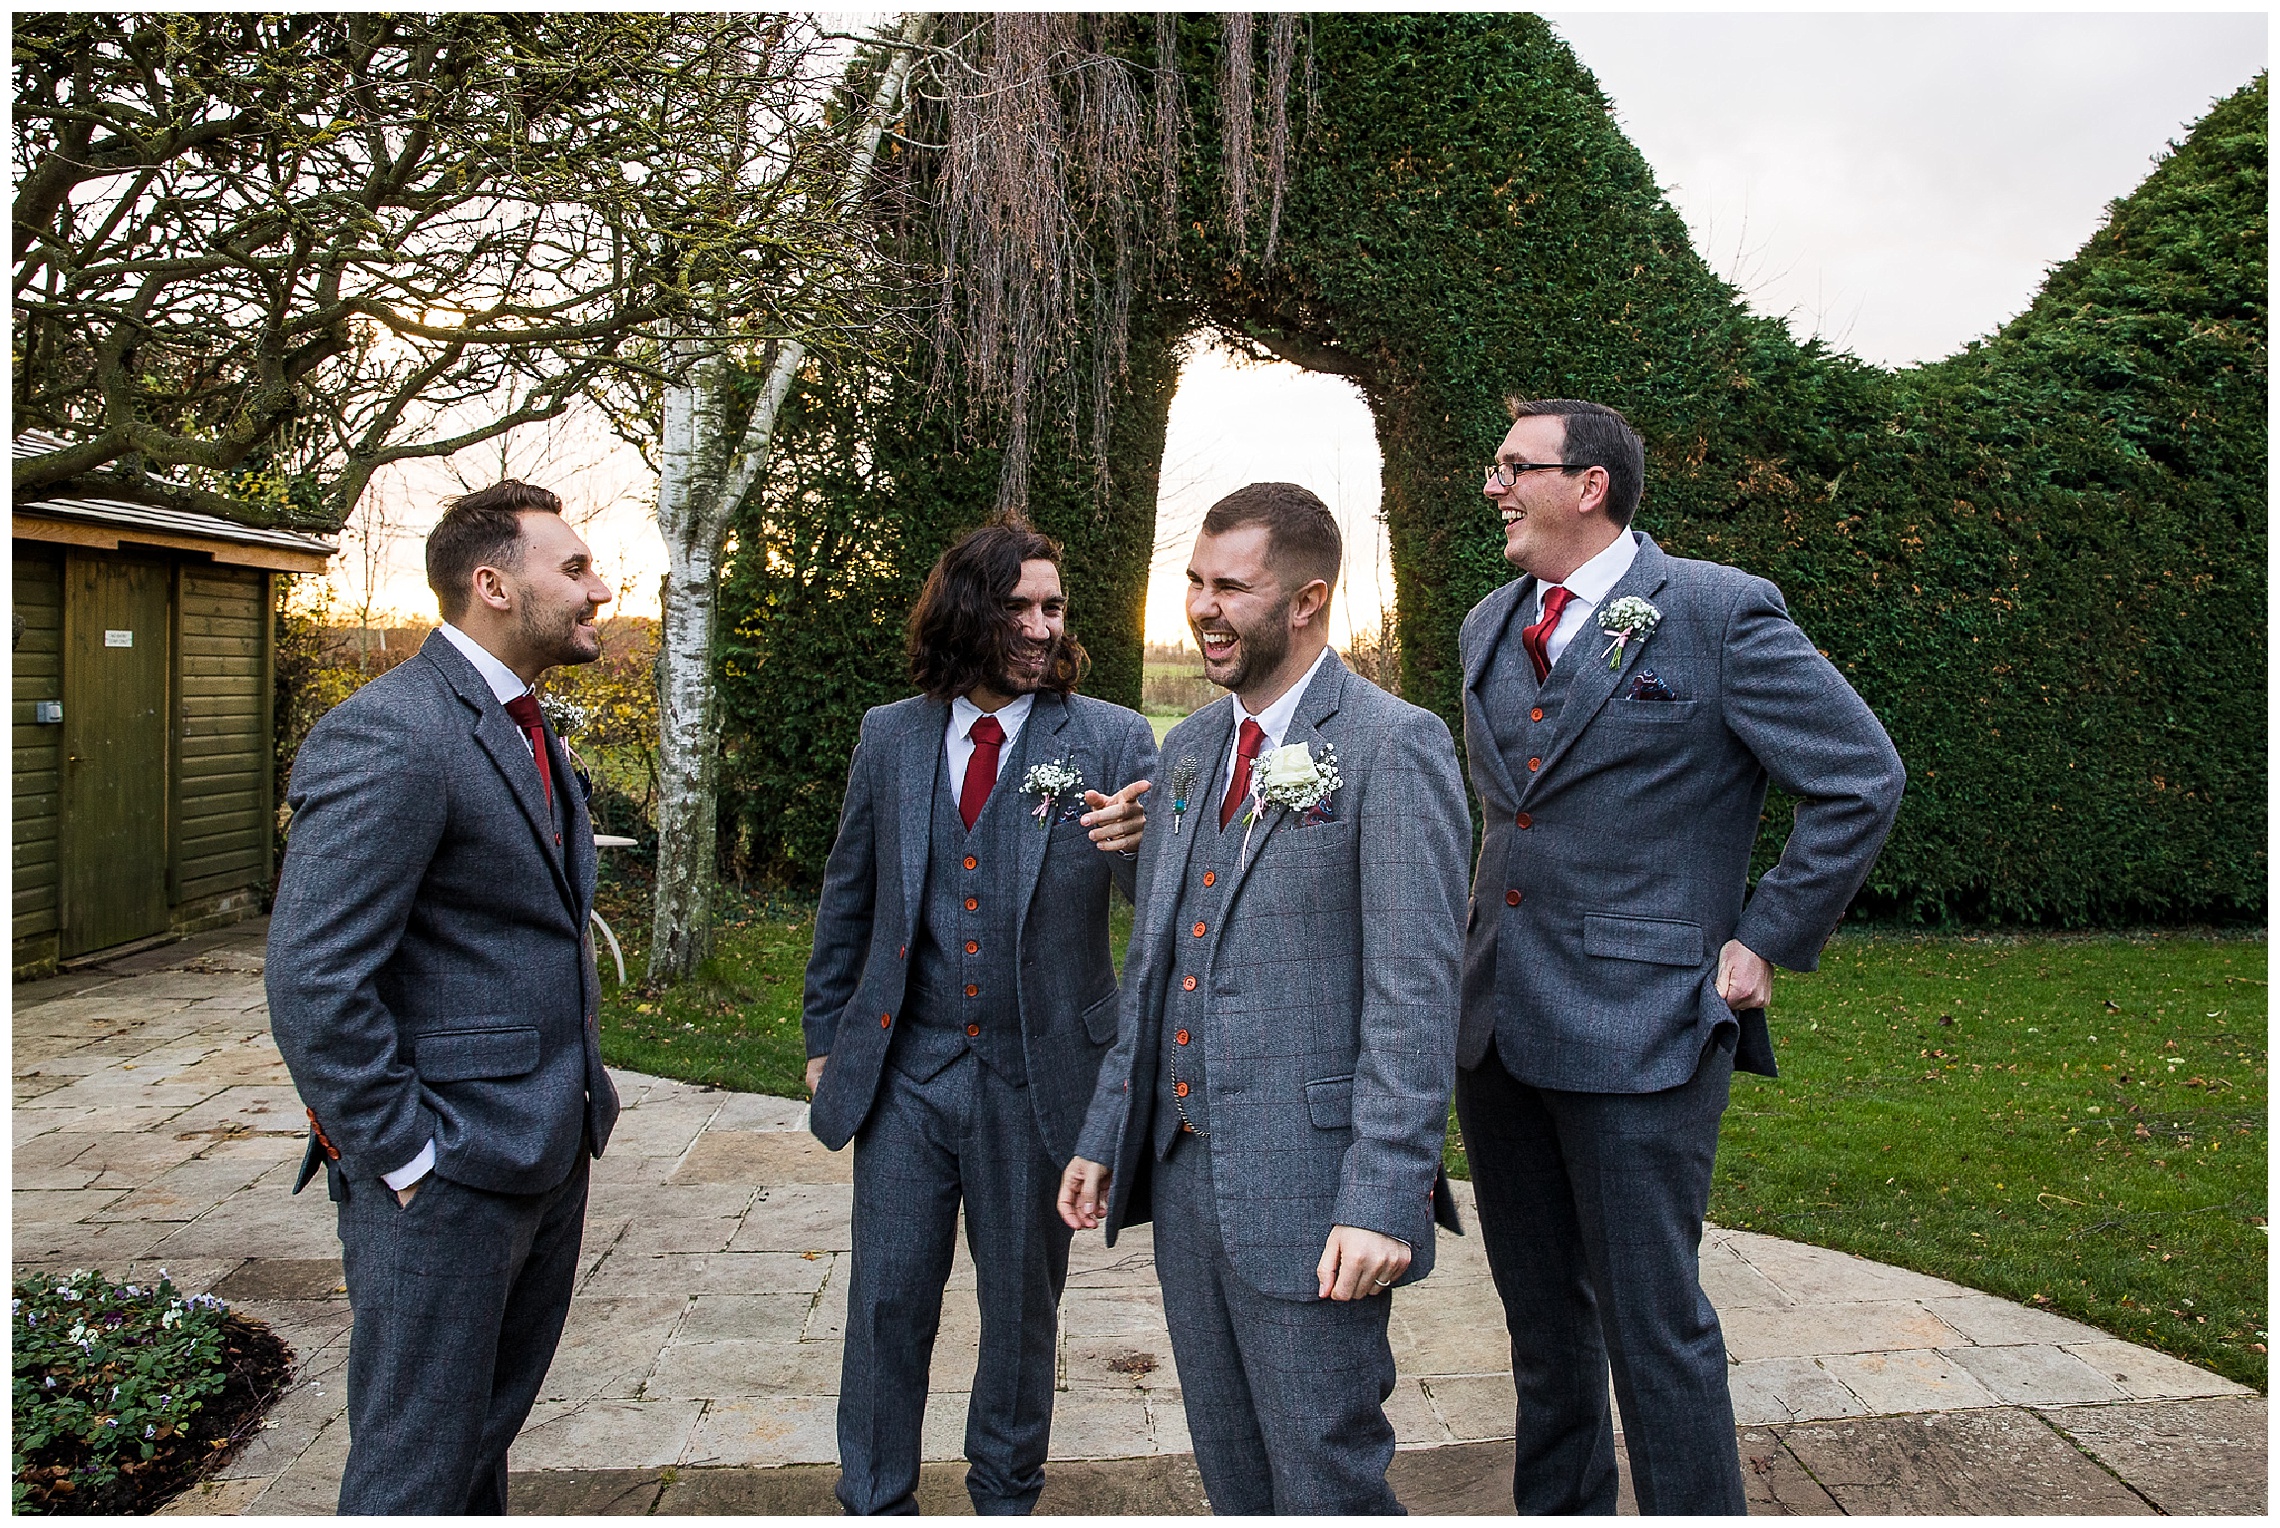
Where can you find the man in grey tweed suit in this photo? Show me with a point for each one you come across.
(1624, 710)
(432, 991)
(959, 1000)
(1286, 1039)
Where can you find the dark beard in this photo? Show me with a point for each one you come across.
(1262, 651)
(1012, 685)
(555, 636)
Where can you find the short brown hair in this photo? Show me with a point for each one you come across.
(478, 528)
(1303, 543)
(1597, 436)
(958, 629)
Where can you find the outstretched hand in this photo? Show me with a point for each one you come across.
(1116, 821)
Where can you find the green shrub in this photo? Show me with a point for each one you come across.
(2042, 561)
(107, 1375)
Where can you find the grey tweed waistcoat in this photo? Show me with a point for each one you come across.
(962, 967)
(1183, 1059)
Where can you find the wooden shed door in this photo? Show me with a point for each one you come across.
(115, 752)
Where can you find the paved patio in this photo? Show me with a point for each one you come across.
(155, 1126)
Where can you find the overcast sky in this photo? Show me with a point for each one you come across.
(1899, 184)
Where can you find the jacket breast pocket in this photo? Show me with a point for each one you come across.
(1657, 941)
(460, 1055)
(1330, 1103)
(1667, 713)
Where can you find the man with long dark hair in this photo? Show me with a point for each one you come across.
(959, 1001)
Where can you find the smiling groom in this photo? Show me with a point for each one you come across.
(1287, 1033)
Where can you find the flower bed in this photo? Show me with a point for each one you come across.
(125, 1395)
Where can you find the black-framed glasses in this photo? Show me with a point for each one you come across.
(1505, 474)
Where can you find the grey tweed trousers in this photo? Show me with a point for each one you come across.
(459, 1301)
(1285, 1398)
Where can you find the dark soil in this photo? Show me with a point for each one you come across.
(257, 1364)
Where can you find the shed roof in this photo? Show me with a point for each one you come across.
(105, 522)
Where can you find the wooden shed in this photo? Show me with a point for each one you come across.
(144, 734)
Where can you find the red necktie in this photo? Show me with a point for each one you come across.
(981, 770)
(1534, 637)
(1247, 748)
(524, 710)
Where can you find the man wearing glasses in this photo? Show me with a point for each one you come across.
(1624, 711)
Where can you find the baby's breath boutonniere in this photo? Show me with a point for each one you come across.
(1047, 782)
(1291, 778)
(1626, 618)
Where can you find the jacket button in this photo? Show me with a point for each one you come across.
(1187, 984)
(974, 946)
(1181, 1038)
(1210, 877)
(1523, 820)
(1512, 899)
(902, 952)
(1188, 1128)
(558, 840)
(1535, 764)
(973, 1029)
(974, 991)
(1535, 713)
(885, 1019)
(1198, 929)
(974, 902)
(1180, 1088)
(970, 862)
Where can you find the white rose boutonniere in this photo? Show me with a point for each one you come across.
(1047, 782)
(1292, 778)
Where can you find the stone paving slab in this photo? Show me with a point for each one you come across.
(155, 1126)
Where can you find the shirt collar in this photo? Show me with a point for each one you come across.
(964, 713)
(1275, 720)
(1596, 579)
(505, 683)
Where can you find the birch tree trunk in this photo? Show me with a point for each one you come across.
(703, 477)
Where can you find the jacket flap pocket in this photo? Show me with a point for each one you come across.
(1330, 1103)
(1659, 941)
(455, 1055)
(1100, 1019)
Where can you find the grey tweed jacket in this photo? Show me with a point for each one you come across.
(1334, 993)
(428, 971)
(873, 888)
(1614, 870)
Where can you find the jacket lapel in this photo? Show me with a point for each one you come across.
(921, 754)
(1317, 706)
(498, 736)
(1048, 715)
(1593, 681)
(1518, 594)
(1209, 749)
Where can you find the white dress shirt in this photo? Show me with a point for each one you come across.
(958, 738)
(1274, 721)
(1590, 584)
(507, 685)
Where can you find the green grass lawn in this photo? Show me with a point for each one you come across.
(2077, 1122)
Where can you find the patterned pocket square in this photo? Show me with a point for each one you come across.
(1645, 686)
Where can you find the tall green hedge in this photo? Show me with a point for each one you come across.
(2042, 561)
